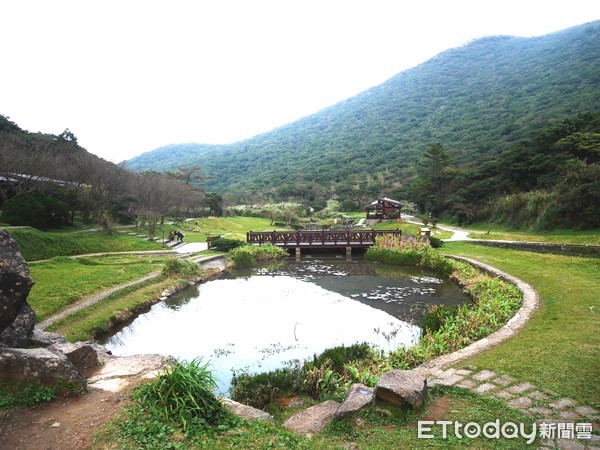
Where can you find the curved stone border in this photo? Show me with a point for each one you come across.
(530, 304)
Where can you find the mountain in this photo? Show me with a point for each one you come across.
(476, 100)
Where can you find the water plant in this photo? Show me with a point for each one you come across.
(446, 329)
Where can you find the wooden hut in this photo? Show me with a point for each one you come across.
(382, 208)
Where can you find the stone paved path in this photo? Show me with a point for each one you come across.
(563, 418)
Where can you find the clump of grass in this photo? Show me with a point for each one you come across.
(249, 255)
(179, 404)
(182, 267)
(33, 393)
(184, 394)
(28, 394)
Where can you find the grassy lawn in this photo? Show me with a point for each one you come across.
(37, 245)
(62, 281)
(559, 348)
(83, 325)
(197, 230)
(494, 232)
(411, 228)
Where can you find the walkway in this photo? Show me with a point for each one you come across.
(563, 419)
(458, 234)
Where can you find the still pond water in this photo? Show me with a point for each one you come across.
(258, 319)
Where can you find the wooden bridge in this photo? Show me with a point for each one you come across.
(324, 239)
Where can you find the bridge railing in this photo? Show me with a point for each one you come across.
(332, 238)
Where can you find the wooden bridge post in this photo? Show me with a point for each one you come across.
(298, 253)
(348, 252)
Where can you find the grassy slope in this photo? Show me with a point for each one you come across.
(83, 325)
(62, 281)
(585, 237)
(559, 349)
(231, 227)
(36, 245)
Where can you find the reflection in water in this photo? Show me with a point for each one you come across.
(260, 319)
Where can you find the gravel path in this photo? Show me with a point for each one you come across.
(94, 299)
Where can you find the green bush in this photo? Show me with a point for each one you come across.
(182, 267)
(260, 390)
(249, 255)
(435, 242)
(338, 356)
(35, 209)
(226, 245)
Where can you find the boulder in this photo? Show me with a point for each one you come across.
(312, 420)
(402, 387)
(15, 281)
(18, 333)
(45, 338)
(245, 411)
(358, 397)
(82, 355)
(37, 365)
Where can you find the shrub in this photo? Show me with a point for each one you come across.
(248, 255)
(35, 209)
(435, 242)
(225, 245)
(182, 267)
(262, 389)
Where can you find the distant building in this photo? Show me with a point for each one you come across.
(382, 208)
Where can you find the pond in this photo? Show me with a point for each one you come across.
(259, 319)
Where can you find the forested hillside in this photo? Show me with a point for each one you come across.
(476, 100)
(47, 180)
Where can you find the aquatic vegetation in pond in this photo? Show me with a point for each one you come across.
(267, 317)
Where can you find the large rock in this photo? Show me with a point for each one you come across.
(37, 365)
(312, 420)
(402, 387)
(45, 338)
(15, 281)
(19, 332)
(358, 397)
(83, 355)
(245, 411)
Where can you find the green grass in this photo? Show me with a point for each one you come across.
(380, 426)
(236, 227)
(38, 245)
(559, 348)
(97, 320)
(411, 228)
(62, 281)
(495, 232)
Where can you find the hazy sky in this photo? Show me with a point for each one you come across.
(127, 76)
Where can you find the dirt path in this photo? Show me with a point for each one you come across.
(70, 423)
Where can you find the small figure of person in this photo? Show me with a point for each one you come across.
(180, 236)
(171, 236)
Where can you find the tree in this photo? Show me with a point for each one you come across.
(429, 190)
